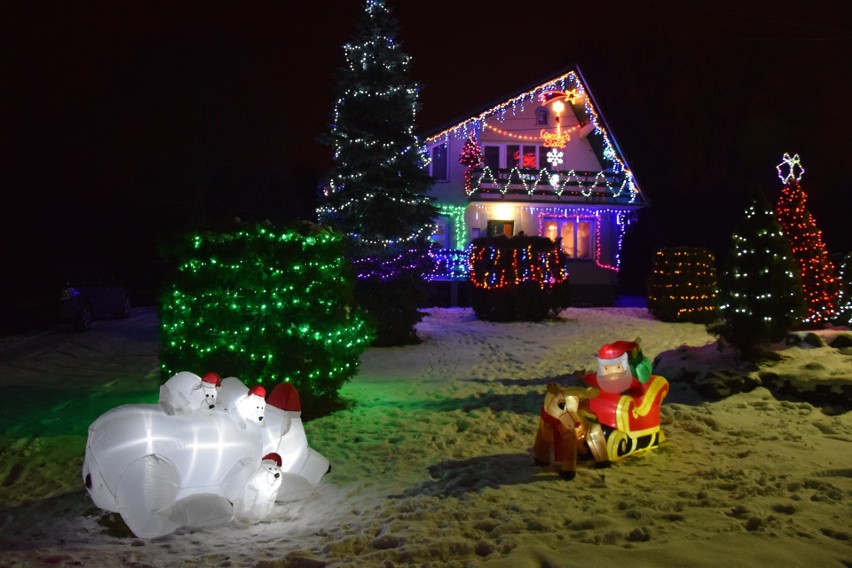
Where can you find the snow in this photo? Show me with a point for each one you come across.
(431, 463)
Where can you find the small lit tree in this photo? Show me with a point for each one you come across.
(819, 278)
(470, 156)
(844, 298)
(761, 291)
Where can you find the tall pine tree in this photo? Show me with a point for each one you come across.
(819, 278)
(377, 191)
(761, 292)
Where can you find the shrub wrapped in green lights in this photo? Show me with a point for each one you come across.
(265, 305)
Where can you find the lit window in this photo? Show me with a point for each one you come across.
(577, 235)
(496, 228)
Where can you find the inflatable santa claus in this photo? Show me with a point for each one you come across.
(628, 405)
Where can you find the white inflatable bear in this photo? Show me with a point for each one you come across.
(161, 471)
(255, 499)
(187, 392)
(284, 433)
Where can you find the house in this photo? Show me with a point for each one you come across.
(543, 162)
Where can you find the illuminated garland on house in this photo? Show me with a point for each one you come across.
(622, 221)
(451, 264)
(623, 218)
(552, 182)
(456, 215)
(819, 277)
(474, 125)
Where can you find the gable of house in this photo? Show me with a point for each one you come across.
(550, 167)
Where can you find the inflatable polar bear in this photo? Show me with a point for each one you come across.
(187, 392)
(160, 471)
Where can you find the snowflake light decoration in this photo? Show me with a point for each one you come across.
(554, 157)
(793, 163)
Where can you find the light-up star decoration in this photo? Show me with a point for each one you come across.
(554, 157)
(792, 164)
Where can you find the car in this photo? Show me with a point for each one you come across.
(76, 294)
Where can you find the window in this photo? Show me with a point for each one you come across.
(528, 156)
(441, 237)
(491, 157)
(496, 228)
(577, 235)
(541, 116)
(520, 156)
(439, 162)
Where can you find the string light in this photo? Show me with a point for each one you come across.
(578, 94)
(493, 267)
(819, 279)
(683, 285)
(265, 305)
(377, 192)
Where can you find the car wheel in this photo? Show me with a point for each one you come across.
(84, 319)
(124, 311)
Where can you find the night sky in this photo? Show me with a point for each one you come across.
(127, 122)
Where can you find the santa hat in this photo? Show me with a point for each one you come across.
(212, 379)
(273, 457)
(617, 349)
(285, 397)
(257, 390)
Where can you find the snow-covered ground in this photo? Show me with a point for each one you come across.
(431, 465)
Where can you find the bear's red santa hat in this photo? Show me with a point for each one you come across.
(273, 457)
(212, 379)
(257, 390)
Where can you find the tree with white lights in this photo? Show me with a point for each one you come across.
(377, 190)
(761, 292)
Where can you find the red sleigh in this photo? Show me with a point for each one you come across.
(629, 421)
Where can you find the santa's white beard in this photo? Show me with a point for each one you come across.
(615, 382)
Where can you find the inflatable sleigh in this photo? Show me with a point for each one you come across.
(628, 403)
(203, 466)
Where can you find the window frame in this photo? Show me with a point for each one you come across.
(445, 177)
(574, 221)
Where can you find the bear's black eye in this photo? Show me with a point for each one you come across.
(562, 405)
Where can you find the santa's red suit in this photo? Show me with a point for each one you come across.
(624, 403)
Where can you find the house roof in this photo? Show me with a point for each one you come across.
(571, 78)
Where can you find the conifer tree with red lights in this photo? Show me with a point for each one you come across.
(819, 277)
(471, 153)
(470, 156)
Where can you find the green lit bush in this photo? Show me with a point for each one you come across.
(522, 278)
(265, 305)
(683, 285)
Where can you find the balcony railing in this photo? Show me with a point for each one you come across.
(569, 186)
